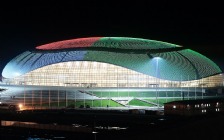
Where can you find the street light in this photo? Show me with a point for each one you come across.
(157, 78)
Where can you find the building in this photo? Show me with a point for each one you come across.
(111, 62)
(194, 107)
(115, 63)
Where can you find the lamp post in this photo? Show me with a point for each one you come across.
(188, 87)
(24, 95)
(202, 90)
(195, 94)
(49, 98)
(75, 99)
(157, 78)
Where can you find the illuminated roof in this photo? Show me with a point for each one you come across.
(108, 42)
(174, 63)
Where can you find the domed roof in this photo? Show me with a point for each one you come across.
(141, 55)
(108, 42)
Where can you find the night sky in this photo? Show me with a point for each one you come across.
(195, 25)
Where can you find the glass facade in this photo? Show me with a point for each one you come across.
(97, 74)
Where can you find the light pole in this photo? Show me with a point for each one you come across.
(49, 98)
(202, 91)
(181, 90)
(24, 96)
(195, 94)
(58, 92)
(188, 87)
(41, 94)
(75, 99)
(157, 78)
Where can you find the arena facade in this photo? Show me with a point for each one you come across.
(114, 63)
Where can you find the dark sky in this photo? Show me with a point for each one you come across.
(195, 25)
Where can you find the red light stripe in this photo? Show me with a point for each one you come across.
(72, 43)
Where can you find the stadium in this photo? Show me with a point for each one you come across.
(109, 72)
